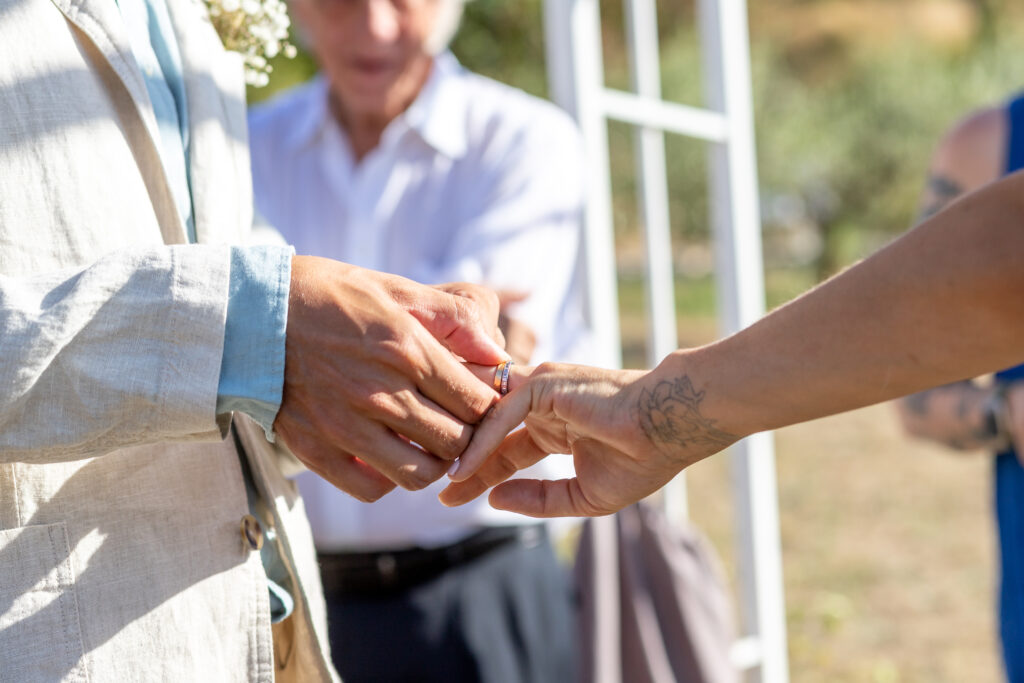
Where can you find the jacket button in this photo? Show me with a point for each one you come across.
(252, 532)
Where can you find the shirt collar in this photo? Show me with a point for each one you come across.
(437, 115)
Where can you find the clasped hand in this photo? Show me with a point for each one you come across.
(375, 391)
(386, 380)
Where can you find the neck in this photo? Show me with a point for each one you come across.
(364, 128)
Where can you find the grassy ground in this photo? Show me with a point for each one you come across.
(887, 550)
(887, 543)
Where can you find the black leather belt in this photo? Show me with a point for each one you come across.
(382, 573)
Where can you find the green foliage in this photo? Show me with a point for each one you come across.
(866, 133)
(844, 132)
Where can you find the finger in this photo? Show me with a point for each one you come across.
(445, 380)
(489, 303)
(541, 498)
(459, 323)
(511, 296)
(487, 299)
(517, 452)
(352, 476)
(516, 376)
(413, 416)
(505, 416)
(405, 464)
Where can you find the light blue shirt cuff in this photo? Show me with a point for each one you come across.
(252, 369)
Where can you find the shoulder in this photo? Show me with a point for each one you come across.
(499, 115)
(520, 144)
(973, 151)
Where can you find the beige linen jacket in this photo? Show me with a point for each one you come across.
(121, 556)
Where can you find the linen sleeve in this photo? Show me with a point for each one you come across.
(124, 351)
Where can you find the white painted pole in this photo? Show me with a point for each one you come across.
(652, 192)
(652, 183)
(669, 117)
(576, 80)
(740, 279)
(577, 83)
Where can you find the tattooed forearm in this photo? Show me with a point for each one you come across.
(941, 191)
(670, 415)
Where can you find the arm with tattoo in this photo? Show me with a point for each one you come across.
(955, 414)
(940, 303)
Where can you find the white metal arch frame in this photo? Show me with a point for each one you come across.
(576, 74)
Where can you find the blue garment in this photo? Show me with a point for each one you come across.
(149, 27)
(252, 371)
(1009, 481)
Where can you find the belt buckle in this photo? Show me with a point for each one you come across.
(387, 567)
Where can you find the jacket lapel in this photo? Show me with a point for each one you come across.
(219, 150)
(101, 22)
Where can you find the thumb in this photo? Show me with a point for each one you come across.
(458, 323)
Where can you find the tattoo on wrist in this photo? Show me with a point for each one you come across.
(670, 415)
(942, 191)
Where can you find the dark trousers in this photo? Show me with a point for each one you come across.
(505, 617)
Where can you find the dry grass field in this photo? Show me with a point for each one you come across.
(888, 546)
(887, 550)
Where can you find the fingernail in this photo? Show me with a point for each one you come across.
(453, 470)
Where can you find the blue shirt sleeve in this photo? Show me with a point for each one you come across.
(252, 370)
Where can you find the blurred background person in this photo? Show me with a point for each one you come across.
(983, 415)
(397, 157)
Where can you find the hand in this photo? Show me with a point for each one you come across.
(489, 304)
(520, 340)
(597, 415)
(369, 368)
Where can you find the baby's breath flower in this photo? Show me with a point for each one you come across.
(257, 29)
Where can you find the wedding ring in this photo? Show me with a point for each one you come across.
(498, 369)
(501, 373)
(505, 371)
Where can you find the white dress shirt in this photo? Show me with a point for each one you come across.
(475, 182)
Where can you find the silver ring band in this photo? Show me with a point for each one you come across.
(505, 371)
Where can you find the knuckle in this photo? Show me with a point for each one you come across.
(468, 311)
(461, 441)
(372, 491)
(546, 368)
(361, 496)
(454, 444)
(400, 350)
(506, 467)
(369, 496)
(481, 403)
(380, 401)
(419, 477)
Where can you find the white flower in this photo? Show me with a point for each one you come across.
(257, 29)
